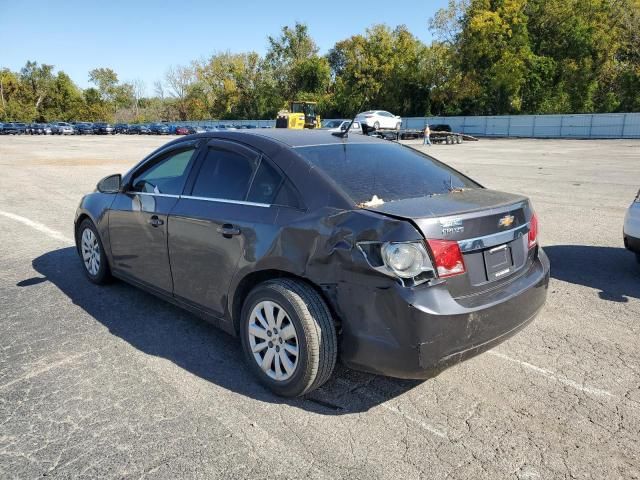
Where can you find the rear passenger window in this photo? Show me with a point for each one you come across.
(287, 196)
(265, 184)
(225, 175)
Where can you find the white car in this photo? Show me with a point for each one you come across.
(378, 119)
(631, 230)
(341, 126)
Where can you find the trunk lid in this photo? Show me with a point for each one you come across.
(490, 227)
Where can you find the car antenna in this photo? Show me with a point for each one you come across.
(345, 134)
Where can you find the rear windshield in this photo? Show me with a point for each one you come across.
(388, 171)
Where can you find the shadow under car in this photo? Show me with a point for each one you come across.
(161, 329)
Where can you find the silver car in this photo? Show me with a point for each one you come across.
(631, 229)
(62, 128)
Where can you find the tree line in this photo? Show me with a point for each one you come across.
(487, 57)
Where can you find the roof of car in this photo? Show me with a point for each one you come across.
(298, 138)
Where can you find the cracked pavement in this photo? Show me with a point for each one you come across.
(111, 382)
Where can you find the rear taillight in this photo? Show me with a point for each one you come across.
(533, 231)
(447, 257)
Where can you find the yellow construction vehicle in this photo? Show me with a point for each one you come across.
(300, 115)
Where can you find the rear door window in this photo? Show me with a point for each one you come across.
(225, 175)
(387, 170)
(265, 184)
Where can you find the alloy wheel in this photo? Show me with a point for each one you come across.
(90, 251)
(273, 340)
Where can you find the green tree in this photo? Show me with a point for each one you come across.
(37, 82)
(236, 86)
(64, 100)
(494, 53)
(384, 68)
(106, 80)
(292, 62)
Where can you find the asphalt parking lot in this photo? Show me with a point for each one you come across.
(112, 383)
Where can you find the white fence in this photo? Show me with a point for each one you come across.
(597, 125)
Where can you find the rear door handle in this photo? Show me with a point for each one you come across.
(227, 230)
(155, 221)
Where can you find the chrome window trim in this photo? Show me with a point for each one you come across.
(224, 200)
(206, 199)
(479, 243)
(151, 194)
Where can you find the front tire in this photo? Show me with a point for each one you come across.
(288, 337)
(376, 126)
(94, 260)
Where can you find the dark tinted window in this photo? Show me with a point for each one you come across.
(333, 124)
(167, 176)
(390, 171)
(287, 196)
(265, 184)
(224, 174)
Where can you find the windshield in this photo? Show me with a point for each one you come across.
(389, 171)
(333, 124)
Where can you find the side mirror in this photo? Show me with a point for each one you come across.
(110, 184)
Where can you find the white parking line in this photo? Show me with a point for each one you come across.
(554, 376)
(388, 406)
(40, 371)
(37, 226)
(391, 408)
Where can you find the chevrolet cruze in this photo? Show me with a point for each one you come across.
(312, 247)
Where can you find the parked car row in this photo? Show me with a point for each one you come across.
(104, 128)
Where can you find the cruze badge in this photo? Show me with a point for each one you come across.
(506, 221)
(451, 225)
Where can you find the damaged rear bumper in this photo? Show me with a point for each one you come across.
(418, 332)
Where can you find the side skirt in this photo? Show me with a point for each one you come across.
(208, 316)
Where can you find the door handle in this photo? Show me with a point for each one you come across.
(227, 230)
(155, 221)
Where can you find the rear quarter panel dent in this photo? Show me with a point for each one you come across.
(321, 248)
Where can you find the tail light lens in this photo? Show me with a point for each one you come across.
(448, 257)
(533, 231)
(411, 262)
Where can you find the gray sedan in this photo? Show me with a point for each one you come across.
(312, 247)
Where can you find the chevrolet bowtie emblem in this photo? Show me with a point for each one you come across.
(506, 221)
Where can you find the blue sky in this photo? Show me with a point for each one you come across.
(139, 39)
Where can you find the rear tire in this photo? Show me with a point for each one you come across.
(94, 261)
(398, 125)
(299, 357)
(376, 125)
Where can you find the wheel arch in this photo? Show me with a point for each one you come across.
(76, 229)
(252, 279)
